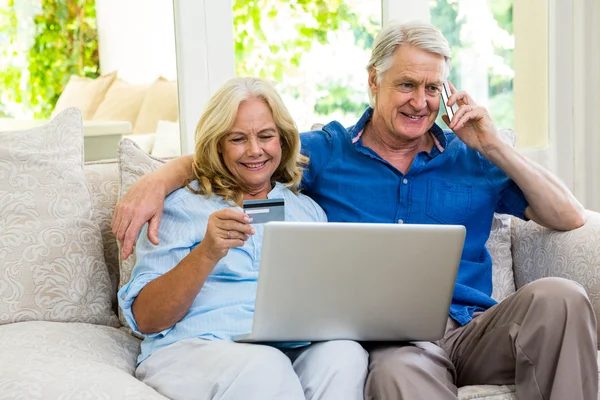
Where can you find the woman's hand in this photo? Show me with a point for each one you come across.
(471, 123)
(227, 228)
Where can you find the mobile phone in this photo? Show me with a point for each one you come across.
(450, 111)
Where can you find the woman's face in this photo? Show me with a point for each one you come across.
(252, 148)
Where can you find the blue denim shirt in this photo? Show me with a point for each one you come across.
(453, 186)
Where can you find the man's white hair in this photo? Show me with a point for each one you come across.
(418, 34)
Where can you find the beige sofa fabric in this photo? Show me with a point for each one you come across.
(102, 181)
(122, 102)
(86, 94)
(160, 103)
(539, 252)
(50, 360)
(52, 264)
(133, 163)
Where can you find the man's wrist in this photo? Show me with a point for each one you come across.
(162, 182)
(494, 150)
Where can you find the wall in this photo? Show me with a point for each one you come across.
(137, 38)
(530, 24)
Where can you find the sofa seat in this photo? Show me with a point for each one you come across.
(52, 360)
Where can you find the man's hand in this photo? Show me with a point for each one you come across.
(471, 123)
(143, 203)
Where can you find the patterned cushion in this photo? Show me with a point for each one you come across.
(487, 392)
(102, 181)
(53, 265)
(499, 244)
(133, 163)
(49, 360)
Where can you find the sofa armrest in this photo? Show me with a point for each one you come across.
(539, 252)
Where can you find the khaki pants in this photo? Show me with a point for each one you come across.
(541, 339)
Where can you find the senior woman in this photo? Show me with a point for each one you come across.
(195, 289)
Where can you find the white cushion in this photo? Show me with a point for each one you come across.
(144, 140)
(167, 142)
(50, 360)
(52, 264)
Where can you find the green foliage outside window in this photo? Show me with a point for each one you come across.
(65, 44)
(257, 54)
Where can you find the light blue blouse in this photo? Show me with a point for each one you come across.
(224, 306)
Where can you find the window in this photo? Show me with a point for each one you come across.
(481, 37)
(316, 53)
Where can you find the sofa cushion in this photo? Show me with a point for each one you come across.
(487, 392)
(499, 244)
(160, 103)
(83, 93)
(102, 181)
(52, 265)
(51, 360)
(133, 163)
(122, 102)
(167, 142)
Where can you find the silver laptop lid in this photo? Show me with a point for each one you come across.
(359, 281)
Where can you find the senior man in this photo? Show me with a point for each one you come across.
(395, 165)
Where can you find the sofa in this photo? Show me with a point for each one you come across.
(60, 337)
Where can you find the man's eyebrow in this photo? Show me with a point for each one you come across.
(405, 79)
(408, 79)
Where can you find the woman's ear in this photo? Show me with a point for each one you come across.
(219, 148)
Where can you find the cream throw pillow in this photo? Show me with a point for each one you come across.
(86, 94)
(133, 164)
(51, 255)
(122, 102)
(159, 104)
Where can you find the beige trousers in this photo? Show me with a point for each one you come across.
(541, 339)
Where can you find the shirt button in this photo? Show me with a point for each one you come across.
(405, 181)
(400, 221)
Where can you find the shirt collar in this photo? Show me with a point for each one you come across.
(276, 192)
(437, 133)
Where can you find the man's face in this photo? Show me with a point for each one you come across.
(408, 97)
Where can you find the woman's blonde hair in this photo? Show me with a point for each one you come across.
(216, 122)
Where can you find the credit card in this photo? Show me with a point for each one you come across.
(263, 211)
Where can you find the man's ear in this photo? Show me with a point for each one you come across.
(373, 81)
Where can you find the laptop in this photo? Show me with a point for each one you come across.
(357, 281)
